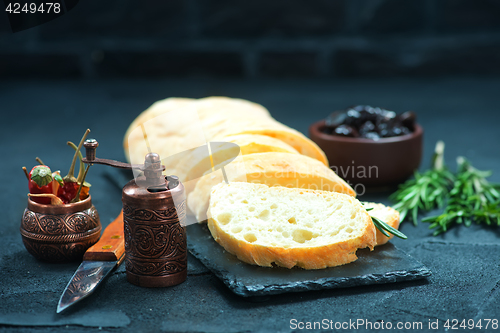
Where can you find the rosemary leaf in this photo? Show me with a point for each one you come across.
(425, 191)
(376, 223)
(472, 199)
(388, 228)
(384, 228)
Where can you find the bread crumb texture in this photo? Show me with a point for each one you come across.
(288, 227)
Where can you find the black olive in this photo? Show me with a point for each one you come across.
(368, 126)
(381, 125)
(369, 122)
(384, 116)
(388, 115)
(396, 131)
(335, 119)
(408, 119)
(368, 115)
(384, 133)
(346, 130)
(358, 107)
(405, 130)
(385, 122)
(353, 118)
(371, 135)
(366, 112)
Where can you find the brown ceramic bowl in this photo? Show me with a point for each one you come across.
(60, 233)
(372, 163)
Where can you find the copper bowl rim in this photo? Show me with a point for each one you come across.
(61, 209)
(314, 130)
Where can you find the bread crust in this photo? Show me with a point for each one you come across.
(317, 257)
(308, 258)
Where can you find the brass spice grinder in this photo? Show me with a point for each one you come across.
(154, 214)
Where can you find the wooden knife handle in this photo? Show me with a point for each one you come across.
(111, 245)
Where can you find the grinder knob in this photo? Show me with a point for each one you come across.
(153, 170)
(173, 182)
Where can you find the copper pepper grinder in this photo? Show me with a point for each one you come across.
(154, 213)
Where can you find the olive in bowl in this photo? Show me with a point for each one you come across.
(370, 146)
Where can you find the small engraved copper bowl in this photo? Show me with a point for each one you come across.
(60, 233)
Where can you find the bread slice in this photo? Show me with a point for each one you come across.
(133, 141)
(272, 169)
(272, 128)
(385, 213)
(288, 227)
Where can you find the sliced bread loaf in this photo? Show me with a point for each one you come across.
(288, 227)
(212, 119)
(385, 213)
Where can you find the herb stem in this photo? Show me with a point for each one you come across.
(425, 191)
(472, 198)
(384, 228)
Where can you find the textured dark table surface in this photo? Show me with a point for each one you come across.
(38, 117)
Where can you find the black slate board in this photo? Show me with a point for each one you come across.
(386, 264)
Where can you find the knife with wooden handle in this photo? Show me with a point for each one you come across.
(98, 261)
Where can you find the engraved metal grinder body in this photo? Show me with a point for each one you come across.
(154, 213)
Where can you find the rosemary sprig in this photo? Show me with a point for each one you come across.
(384, 228)
(472, 198)
(427, 190)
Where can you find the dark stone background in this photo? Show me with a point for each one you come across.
(104, 62)
(43, 114)
(279, 38)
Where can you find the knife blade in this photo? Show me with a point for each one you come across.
(98, 261)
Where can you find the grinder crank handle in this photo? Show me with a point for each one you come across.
(111, 245)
